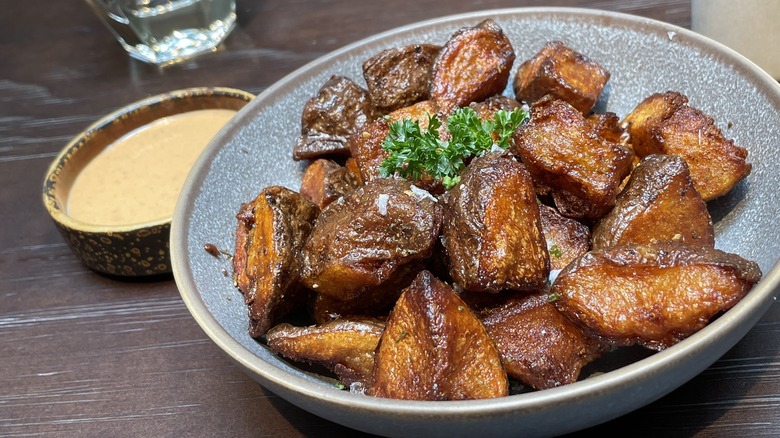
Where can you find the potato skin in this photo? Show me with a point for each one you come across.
(492, 231)
(561, 72)
(651, 295)
(658, 204)
(539, 346)
(270, 234)
(401, 76)
(435, 348)
(340, 108)
(473, 65)
(359, 241)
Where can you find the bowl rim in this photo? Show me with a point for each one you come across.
(301, 391)
(59, 213)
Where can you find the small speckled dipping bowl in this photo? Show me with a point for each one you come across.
(135, 249)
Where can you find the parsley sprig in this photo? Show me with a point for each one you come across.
(414, 152)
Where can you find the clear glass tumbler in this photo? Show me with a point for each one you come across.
(167, 31)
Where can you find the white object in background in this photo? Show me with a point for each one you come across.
(750, 27)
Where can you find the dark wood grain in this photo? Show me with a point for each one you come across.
(86, 355)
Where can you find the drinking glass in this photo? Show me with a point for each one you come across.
(167, 31)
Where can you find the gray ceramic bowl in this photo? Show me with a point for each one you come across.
(131, 250)
(644, 57)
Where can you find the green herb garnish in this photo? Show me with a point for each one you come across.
(555, 251)
(414, 152)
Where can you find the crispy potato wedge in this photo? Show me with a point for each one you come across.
(659, 204)
(492, 232)
(564, 155)
(270, 235)
(359, 241)
(652, 295)
(324, 181)
(665, 124)
(340, 108)
(563, 73)
(566, 238)
(344, 346)
(435, 348)
(473, 65)
(400, 76)
(716, 163)
(539, 346)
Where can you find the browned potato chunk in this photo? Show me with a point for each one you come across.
(399, 77)
(344, 346)
(665, 124)
(473, 65)
(566, 238)
(539, 346)
(366, 145)
(375, 302)
(435, 348)
(659, 204)
(492, 232)
(563, 73)
(487, 109)
(271, 232)
(645, 121)
(353, 171)
(652, 295)
(324, 181)
(565, 155)
(608, 127)
(340, 108)
(360, 240)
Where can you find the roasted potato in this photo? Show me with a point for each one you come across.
(325, 180)
(340, 108)
(665, 123)
(561, 72)
(608, 126)
(376, 301)
(538, 345)
(434, 348)
(486, 109)
(473, 65)
(659, 204)
(359, 241)
(344, 346)
(651, 295)
(401, 76)
(566, 238)
(366, 145)
(565, 156)
(492, 232)
(269, 238)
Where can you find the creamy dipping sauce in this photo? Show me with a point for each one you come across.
(138, 178)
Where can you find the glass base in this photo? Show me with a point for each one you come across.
(182, 44)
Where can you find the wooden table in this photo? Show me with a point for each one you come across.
(85, 355)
